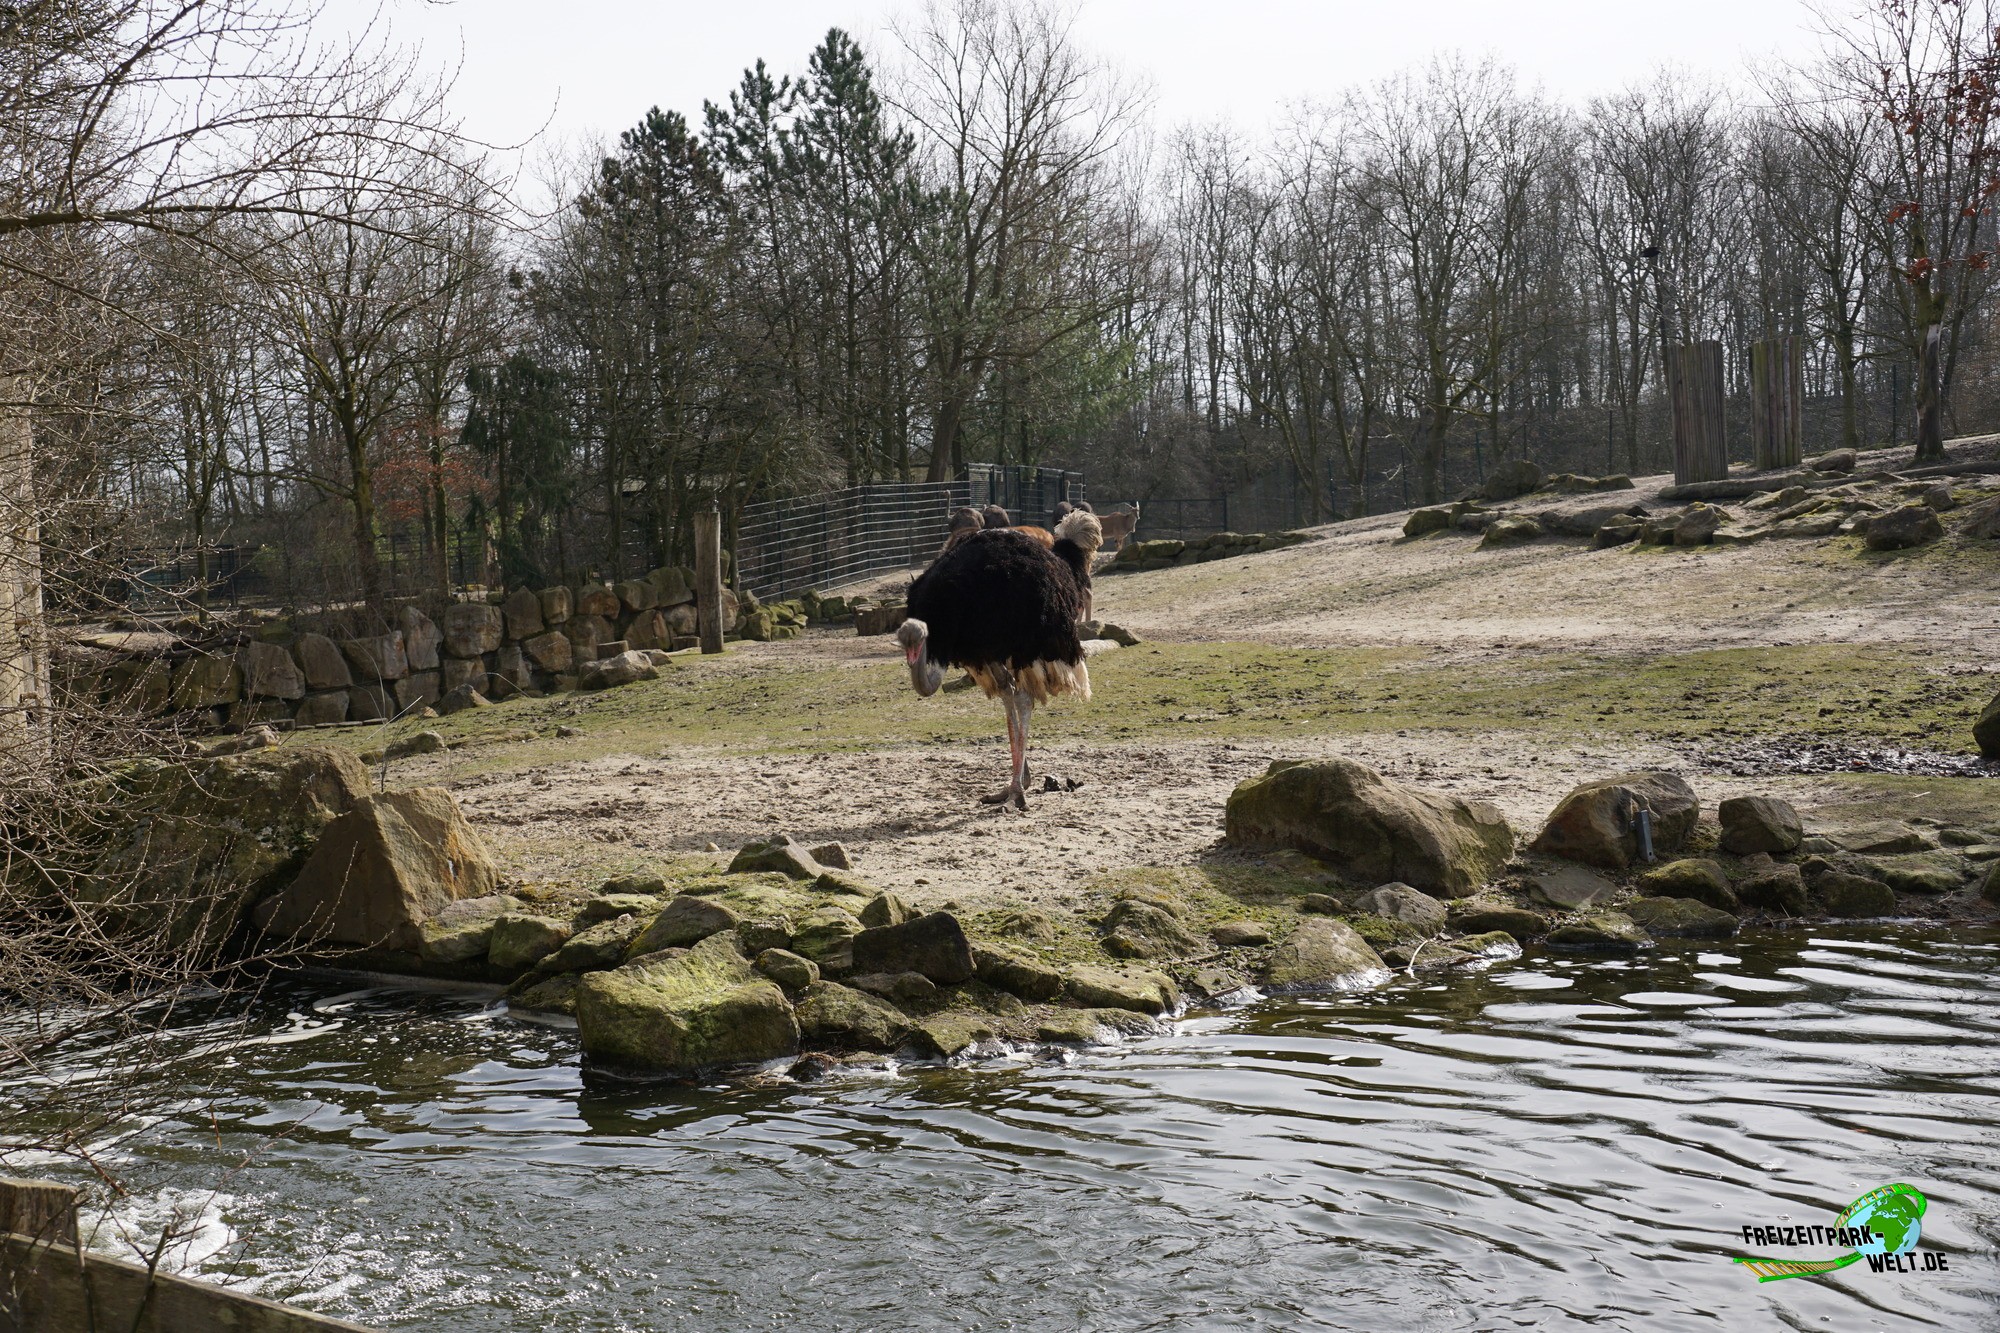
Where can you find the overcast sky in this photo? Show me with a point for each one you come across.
(589, 68)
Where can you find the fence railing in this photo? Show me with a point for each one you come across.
(842, 537)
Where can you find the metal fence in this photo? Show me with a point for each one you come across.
(838, 538)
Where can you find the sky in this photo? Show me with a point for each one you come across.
(581, 70)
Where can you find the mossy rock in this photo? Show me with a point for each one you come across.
(841, 1018)
(1695, 878)
(1479, 915)
(1142, 991)
(1608, 932)
(1016, 971)
(681, 1013)
(1324, 955)
(1681, 918)
(944, 1035)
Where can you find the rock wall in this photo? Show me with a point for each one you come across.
(490, 646)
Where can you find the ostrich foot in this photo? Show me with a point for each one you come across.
(1011, 792)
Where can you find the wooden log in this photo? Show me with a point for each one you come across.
(40, 1209)
(708, 580)
(1777, 402)
(58, 1289)
(1694, 379)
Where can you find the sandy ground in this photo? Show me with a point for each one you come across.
(910, 818)
(1363, 585)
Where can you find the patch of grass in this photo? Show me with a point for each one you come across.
(1864, 798)
(1206, 691)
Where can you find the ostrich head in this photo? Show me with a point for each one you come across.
(925, 675)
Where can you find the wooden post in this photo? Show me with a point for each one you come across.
(38, 1209)
(24, 660)
(1777, 402)
(708, 579)
(1694, 378)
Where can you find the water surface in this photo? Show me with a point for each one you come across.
(1558, 1142)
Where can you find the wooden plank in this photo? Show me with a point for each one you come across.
(708, 579)
(1694, 380)
(38, 1208)
(48, 1288)
(1777, 402)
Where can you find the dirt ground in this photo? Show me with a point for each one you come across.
(908, 812)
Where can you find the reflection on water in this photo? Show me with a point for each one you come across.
(1559, 1142)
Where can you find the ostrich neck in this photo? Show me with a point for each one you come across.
(926, 676)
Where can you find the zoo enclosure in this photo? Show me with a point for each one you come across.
(836, 538)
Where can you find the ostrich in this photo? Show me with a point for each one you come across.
(1005, 607)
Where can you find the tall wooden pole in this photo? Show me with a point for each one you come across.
(1777, 402)
(24, 661)
(1694, 378)
(708, 578)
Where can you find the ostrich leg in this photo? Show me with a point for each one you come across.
(1026, 710)
(1017, 705)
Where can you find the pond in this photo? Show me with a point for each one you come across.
(1556, 1142)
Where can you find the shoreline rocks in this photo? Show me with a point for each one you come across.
(1371, 827)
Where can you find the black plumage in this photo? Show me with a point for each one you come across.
(1000, 596)
(1003, 604)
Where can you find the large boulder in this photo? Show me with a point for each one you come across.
(1143, 992)
(320, 710)
(934, 946)
(779, 854)
(462, 931)
(421, 638)
(519, 940)
(1902, 528)
(1752, 824)
(269, 672)
(597, 600)
(1696, 878)
(649, 629)
(551, 652)
(1986, 731)
(378, 657)
(380, 870)
(1698, 526)
(1017, 972)
(1597, 822)
(202, 681)
(186, 848)
(838, 1017)
(1422, 522)
(523, 613)
(1511, 479)
(472, 629)
(671, 586)
(681, 1013)
(324, 666)
(1324, 955)
(686, 919)
(618, 669)
(557, 604)
(1400, 902)
(1370, 828)
(1681, 918)
(1134, 928)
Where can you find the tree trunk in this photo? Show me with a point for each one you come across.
(24, 662)
(363, 477)
(1850, 405)
(1930, 427)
